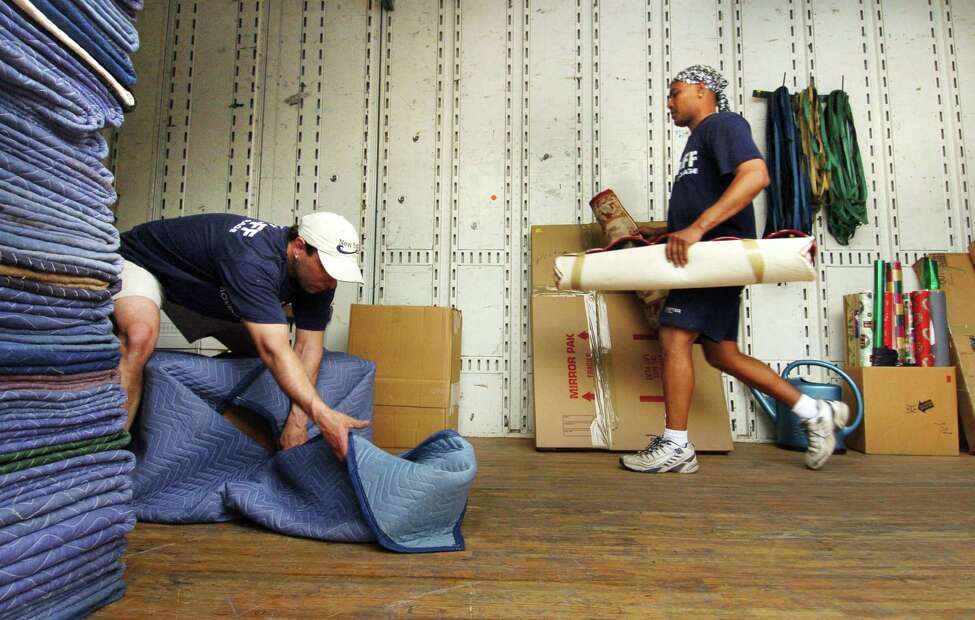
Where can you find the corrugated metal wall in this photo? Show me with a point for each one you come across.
(445, 129)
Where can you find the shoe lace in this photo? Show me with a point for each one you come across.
(656, 444)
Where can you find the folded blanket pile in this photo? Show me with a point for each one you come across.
(65, 477)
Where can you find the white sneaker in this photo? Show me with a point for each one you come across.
(820, 431)
(662, 455)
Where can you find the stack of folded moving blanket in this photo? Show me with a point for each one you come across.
(65, 484)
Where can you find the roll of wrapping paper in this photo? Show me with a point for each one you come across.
(930, 281)
(889, 320)
(889, 328)
(939, 320)
(899, 335)
(909, 329)
(858, 308)
(921, 306)
(879, 268)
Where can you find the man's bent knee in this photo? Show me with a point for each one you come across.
(137, 319)
(139, 341)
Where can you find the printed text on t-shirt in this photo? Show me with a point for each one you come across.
(249, 228)
(687, 165)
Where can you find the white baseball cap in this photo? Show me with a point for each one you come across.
(337, 243)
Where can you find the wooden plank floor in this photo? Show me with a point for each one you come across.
(752, 534)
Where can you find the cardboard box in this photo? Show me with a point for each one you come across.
(906, 410)
(597, 363)
(417, 354)
(957, 277)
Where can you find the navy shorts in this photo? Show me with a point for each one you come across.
(710, 312)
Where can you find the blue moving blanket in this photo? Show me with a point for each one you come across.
(37, 137)
(58, 264)
(21, 321)
(19, 196)
(194, 466)
(86, 33)
(62, 524)
(54, 306)
(81, 333)
(49, 80)
(113, 22)
(35, 417)
(55, 290)
(78, 599)
(89, 146)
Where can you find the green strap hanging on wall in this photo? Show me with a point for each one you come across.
(848, 187)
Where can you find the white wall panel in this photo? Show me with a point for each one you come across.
(693, 35)
(768, 60)
(779, 324)
(407, 285)
(841, 281)
(139, 167)
(480, 113)
(480, 402)
(446, 128)
(621, 139)
(552, 100)
(409, 126)
(278, 191)
(206, 175)
(479, 292)
(961, 19)
(843, 37)
(919, 211)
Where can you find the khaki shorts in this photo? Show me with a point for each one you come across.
(136, 281)
(193, 326)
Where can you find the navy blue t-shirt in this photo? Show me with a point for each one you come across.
(721, 143)
(227, 267)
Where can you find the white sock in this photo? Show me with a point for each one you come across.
(806, 408)
(678, 437)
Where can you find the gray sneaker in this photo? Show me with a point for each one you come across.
(662, 455)
(820, 431)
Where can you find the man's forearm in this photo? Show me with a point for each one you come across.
(293, 377)
(743, 189)
(310, 356)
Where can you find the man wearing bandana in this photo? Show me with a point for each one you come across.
(721, 171)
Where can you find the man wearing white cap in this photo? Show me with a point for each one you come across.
(229, 276)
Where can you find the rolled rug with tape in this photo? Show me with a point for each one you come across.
(939, 323)
(710, 264)
(921, 305)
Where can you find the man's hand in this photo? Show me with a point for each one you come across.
(678, 244)
(651, 233)
(295, 431)
(335, 428)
